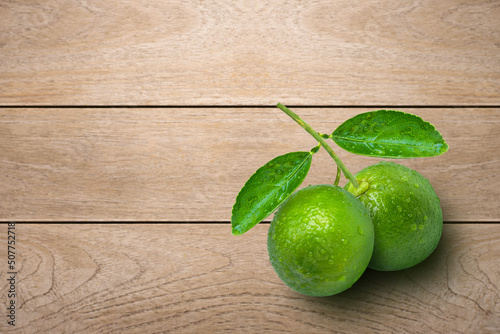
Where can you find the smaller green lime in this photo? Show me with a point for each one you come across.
(405, 211)
(320, 240)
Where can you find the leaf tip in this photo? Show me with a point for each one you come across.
(442, 149)
(235, 227)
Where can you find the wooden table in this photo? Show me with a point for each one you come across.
(128, 127)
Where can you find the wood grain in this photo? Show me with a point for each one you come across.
(125, 52)
(188, 164)
(192, 278)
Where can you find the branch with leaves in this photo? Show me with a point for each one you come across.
(382, 133)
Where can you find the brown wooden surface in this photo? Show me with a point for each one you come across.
(183, 167)
(125, 52)
(197, 278)
(188, 164)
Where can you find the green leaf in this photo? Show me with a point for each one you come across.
(268, 188)
(389, 134)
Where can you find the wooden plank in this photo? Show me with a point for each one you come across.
(125, 52)
(191, 278)
(188, 164)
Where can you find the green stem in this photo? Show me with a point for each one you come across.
(323, 143)
(339, 172)
(315, 149)
(337, 177)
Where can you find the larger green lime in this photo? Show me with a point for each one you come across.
(320, 240)
(405, 211)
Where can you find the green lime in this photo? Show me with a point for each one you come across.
(320, 240)
(405, 211)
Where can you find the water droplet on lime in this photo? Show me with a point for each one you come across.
(342, 279)
(416, 185)
(399, 209)
(413, 227)
(360, 231)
